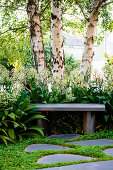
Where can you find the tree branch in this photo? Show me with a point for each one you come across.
(1, 6)
(81, 9)
(45, 7)
(13, 29)
(98, 5)
(74, 16)
(19, 34)
(45, 19)
(106, 4)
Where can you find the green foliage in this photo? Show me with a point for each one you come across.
(13, 156)
(71, 64)
(16, 118)
(47, 48)
(109, 72)
(16, 115)
(16, 51)
(72, 90)
(42, 88)
(65, 122)
(97, 135)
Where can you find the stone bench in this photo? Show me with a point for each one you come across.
(89, 111)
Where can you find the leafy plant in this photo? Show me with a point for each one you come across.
(71, 64)
(16, 119)
(47, 48)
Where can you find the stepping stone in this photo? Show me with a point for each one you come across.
(101, 165)
(61, 158)
(93, 142)
(36, 147)
(109, 151)
(64, 136)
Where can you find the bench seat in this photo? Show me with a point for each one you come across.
(88, 110)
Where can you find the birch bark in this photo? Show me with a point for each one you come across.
(88, 46)
(89, 39)
(57, 51)
(36, 35)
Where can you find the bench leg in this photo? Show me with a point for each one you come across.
(89, 122)
(40, 123)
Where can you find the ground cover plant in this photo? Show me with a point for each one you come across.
(23, 160)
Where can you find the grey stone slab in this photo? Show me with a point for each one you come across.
(109, 151)
(102, 165)
(36, 147)
(70, 107)
(93, 142)
(64, 136)
(61, 158)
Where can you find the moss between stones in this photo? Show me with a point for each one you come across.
(14, 157)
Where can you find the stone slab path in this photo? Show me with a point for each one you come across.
(61, 158)
(109, 151)
(102, 165)
(36, 147)
(93, 142)
(64, 136)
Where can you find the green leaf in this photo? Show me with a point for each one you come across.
(101, 97)
(12, 115)
(106, 117)
(35, 117)
(6, 112)
(41, 95)
(31, 134)
(85, 101)
(29, 107)
(5, 123)
(16, 125)
(45, 102)
(65, 101)
(25, 103)
(4, 139)
(73, 98)
(11, 133)
(38, 129)
(51, 99)
(3, 117)
(20, 138)
(92, 98)
(23, 125)
(3, 131)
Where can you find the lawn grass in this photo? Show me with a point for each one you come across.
(13, 156)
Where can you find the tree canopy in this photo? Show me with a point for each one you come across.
(14, 25)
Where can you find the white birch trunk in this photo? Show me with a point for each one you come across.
(36, 35)
(88, 46)
(57, 51)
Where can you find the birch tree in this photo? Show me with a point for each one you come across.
(36, 35)
(56, 39)
(92, 19)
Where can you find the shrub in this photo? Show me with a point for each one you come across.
(16, 118)
(71, 64)
(15, 113)
(42, 88)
